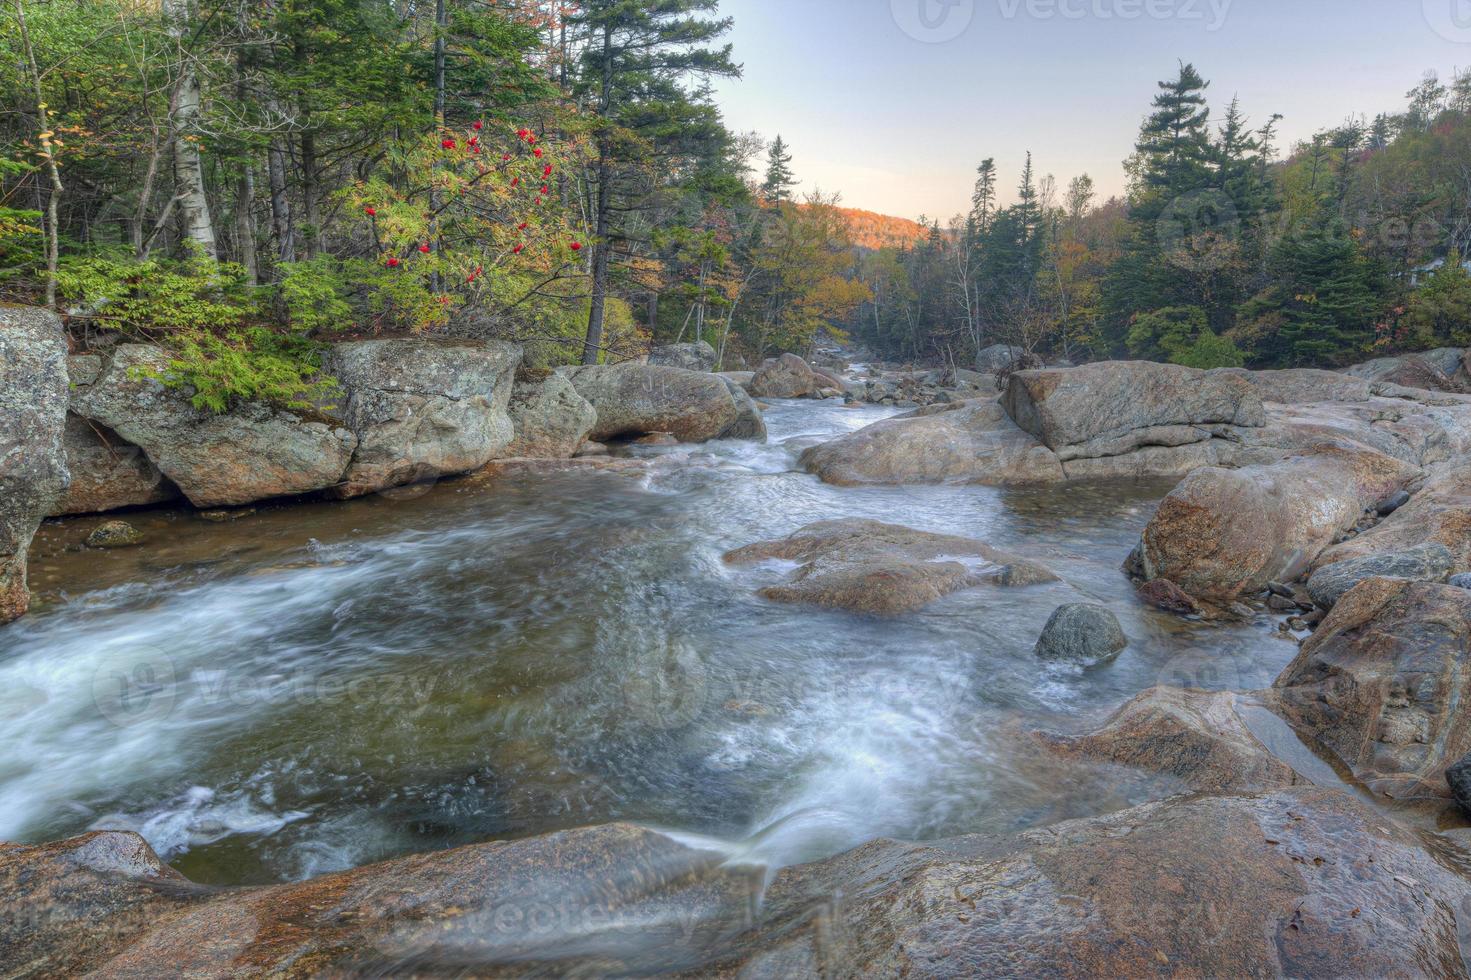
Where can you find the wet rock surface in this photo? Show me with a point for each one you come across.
(549, 418)
(884, 569)
(1424, 563)
(1082, 633)
(1383, 683)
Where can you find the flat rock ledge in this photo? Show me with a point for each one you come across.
(882, 569)
(1298, 881)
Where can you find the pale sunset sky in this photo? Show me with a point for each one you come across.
(898, 124)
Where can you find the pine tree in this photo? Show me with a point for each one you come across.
(983, 199)
(779, 180)
(632, 68)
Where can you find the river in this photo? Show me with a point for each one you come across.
(316, 686)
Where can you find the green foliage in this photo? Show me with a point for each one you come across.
(209, 320)
(311, 293)
(1439, 311)
(250, 363)
(1167, 333)
(1211, 351)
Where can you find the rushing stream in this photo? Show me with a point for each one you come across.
(321, 685)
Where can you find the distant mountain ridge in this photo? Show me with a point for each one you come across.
(873, 230)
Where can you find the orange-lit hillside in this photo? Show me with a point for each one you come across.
(871, 230)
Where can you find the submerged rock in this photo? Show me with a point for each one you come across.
(1424, 563)
(1166, 595)
(33, 471)
(698, 356)
(883, 569)
(249, 453)
(636, 399)
(1082, 633)
(422, 408)
(1383, 684)
(114, 534)
(1223, 533)
(549, 418)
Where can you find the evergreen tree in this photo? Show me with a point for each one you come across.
(632, 72)
(777, 186)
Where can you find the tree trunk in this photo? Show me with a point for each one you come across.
(48, 151)
(245, 252)
(281, 223)
(188, 169)
(654, 313)
(310, 194)
(603, 250)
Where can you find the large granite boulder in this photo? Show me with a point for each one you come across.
(698, 356)
(1114, 407)
(636, 399)
(999, 358)
(1222, 533)
(1436, 370)
(422, 408)
(748, 422)
(33, 473)
(965, 442)
(550, 419)
(1439, 513)
(788, 376)
(1430, 562)
(1296, 386)
(248, 453)
(1383, 684)
(1204, 739)
(883, 569)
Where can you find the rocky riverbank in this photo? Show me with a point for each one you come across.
(1307, 827)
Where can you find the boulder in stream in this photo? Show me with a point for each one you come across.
(697, 356)
(1082, 633)
(422, 408)
(1430, 562)
(1383, 684)
(550, 419)
(1224, 533)
(248, 453)
(636, 399)
(884, 569)
(788, 376)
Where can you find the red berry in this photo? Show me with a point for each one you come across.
(424, 249)
(448, 144)
(392, 263)
(537, 151)
(521, 226)
(476, 125)
(576, 246)
(371, 212)
(548, 171)
(517, 249)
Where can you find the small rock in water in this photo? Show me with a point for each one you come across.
(1459, 778)
(1278, 589)
(591, 448)
(1462, 581)
(1279, 603)
(1082, 633)
(1164, 594)
(222, 515)
(114, 534)
(657, 439)
(1392, 503)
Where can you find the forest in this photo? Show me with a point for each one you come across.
(241, 181)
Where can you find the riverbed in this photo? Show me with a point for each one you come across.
(314, 686)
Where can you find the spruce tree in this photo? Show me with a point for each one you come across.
(777, 186)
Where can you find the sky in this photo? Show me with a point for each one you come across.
(893, 103)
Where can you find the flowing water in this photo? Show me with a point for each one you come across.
(321, 685)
